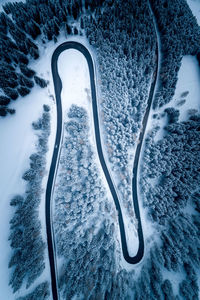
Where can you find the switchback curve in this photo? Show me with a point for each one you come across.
(53, 169)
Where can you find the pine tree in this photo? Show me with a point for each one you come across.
(4, 100)
(11, 93)
(3, 111)
(26, 71)
(41, 82)
(23, 91)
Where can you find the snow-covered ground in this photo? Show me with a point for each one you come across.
(195, 8)
(17, 144)
(188, 81)
(73, 71)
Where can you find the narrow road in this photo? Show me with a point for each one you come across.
(53, 169)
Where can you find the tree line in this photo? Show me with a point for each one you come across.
(125, 42)
(179, 34)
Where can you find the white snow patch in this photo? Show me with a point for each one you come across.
(2, 2)
(188, 80)
(195, 8)
(73, 71)
(174, 277)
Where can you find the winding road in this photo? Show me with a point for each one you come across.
(56, 153)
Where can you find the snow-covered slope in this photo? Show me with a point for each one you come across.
(195, 8)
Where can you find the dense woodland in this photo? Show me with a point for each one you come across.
(127, 59)
(174, 160)
(27, 261)
(173, 201)
(179, 35)
(84, 228)
(125, 43)
(124, 40)
(90, 249)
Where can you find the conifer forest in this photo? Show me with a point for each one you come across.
(100, 149)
